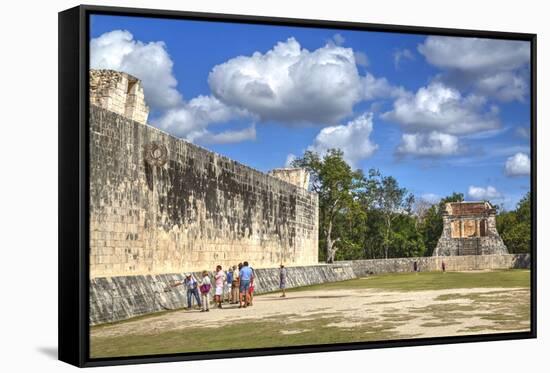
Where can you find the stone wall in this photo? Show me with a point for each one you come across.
(159, 204)
(452, 263)
(120, 298)
(118, 92)
(294, 176)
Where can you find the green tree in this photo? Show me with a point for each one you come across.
(350, 226)
(406, 239)
(334, 181)
(514, 226)
(391, 200)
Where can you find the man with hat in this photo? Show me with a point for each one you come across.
(192, 287)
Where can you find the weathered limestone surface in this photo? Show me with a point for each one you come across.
(159, 204)
(469, 228)
(452, 263)
(118, 92)
(294, 176)
(120, 298)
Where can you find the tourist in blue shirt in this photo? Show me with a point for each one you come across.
(246, 274)
(228, 285)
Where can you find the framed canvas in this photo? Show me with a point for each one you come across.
(234, 186)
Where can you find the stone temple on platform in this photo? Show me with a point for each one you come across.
(469, 228)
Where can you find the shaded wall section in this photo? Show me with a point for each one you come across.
(159, 204)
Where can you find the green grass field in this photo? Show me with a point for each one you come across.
(388, 318)
(432, 281)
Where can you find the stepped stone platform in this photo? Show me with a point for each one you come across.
(469, 228)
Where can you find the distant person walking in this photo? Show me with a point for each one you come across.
(205, 287)
(245, 275)
(282, 280)
(219, 278)
(443, 265)
(415, 266)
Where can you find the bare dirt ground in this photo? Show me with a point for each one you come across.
(416, 314)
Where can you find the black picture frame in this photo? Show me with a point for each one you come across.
(73, 250)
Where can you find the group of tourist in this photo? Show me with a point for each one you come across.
(234, 286)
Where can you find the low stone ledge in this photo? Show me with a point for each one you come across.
(123, 297)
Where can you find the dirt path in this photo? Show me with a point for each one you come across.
(419, 314)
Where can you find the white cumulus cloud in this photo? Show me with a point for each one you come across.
(191, 119)
(376, 88)
(225, 137)
(291, 84)
(506, 86)
(494, 67)
(483, 193)
(352, 138)
(518, 165)
(438, 107)
(150, 62)
(400, 55)
(289, 159)
(428, 144)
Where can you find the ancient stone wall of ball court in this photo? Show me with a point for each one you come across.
(159, 204)
(432, 263)
(124, 297)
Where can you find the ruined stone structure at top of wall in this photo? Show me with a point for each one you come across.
(118, 92)
(159, 204)
(294, 176)
(469, 228)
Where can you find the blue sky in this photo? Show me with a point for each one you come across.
(439, 114)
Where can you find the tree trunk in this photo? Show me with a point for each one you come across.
(387, 240)
(330, 250)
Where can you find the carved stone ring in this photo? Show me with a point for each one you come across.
(156, 154)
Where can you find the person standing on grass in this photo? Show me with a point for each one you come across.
(443, 265)
(205, 287)
(245, 275)
(228, 285)
(282, 280)
(219, 278)
(235, 286)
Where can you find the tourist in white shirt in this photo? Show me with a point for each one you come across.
(219, 280)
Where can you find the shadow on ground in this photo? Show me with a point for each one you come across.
(49, 351)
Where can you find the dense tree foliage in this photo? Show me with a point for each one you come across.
(515, 226)
(372, 216)
(335, 182)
